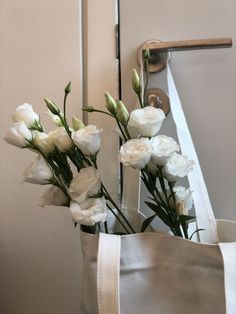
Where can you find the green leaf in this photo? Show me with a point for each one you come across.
(185, 218)
(98, 195)
(151, 198)
(195, 232)
(147, 222)
(160, 213)
(149, 188)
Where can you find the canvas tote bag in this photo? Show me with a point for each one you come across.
(153, 272)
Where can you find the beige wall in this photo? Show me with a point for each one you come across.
(39, 248)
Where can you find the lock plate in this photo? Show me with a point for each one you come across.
(157, 98)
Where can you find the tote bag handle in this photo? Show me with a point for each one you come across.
(204, 214)
(108, 274)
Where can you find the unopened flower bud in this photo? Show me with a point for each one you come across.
(77, 124)
(68, 88)
(110, 103)
(122, 113)
(88, 109)
(146, 54)
(137, 87)
(52, 106)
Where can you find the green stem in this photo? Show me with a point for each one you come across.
(62, 162)
(118, 218)
(155, 189)
(127, 132)
(118, 209)
(101, 111)
(177, 232)
(146, 64)
(76, 162)
(121, 130)
(58, 181)
(162, 183)
(105, 226)
(172, 192)
(94, 161)
(140, 100)
(64, 104)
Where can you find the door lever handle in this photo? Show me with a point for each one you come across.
(159, 50)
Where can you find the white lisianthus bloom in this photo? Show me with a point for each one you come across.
(147, 121)
(61, 139)
(53, 196)
(38, 172)
(86, 183)
(89, 212)
(177, 166)
(18, 135)
(162, 148)
(135, 153)
(88, 139)
(184, 201)
(26, 114)
(44, 142)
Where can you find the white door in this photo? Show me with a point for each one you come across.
(205, 79)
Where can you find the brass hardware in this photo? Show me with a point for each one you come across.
(159, 50)
(158, 60)
(157, 98)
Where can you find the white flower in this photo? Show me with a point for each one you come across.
(88, 139)
(184, 201)
(178, 166)
(44, 142)
(26, 114)
(53, 196)
(135, 153)
(18, 135)
(38, 172)
(147, 121)
(86, 183)
(162, 148)
(89, 212)
(61, 139)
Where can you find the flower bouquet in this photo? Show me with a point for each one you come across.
(66, 160)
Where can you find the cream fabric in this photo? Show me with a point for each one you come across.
(108, 266)
(164, 274)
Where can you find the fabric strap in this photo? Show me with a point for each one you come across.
(108, 274)
(228, 251)
(204, 213)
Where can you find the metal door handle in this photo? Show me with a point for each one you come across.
(159, 50)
